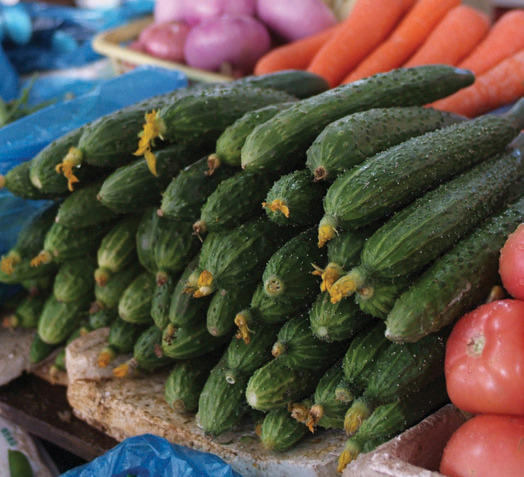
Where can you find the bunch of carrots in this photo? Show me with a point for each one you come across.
(380, 35)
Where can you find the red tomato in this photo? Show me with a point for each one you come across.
(511, 263)
(484, 364)
(486, 446)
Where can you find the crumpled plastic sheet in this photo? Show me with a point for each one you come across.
(152, 456)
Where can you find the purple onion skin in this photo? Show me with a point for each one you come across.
(196, 11)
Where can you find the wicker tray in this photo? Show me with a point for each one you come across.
(112, 43)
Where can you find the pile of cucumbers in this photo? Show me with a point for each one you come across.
(289, 252)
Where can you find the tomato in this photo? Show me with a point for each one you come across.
(486, 446)
(484, 363)
(511, 263)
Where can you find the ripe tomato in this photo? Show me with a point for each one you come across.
(511, 263)
(484, 364)
(486, 446)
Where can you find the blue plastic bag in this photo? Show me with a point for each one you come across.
(152, 456)
(10, 81)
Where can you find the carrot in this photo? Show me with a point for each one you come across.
(367, 25)
(456, 35)
(294, 55)
(405, 39)
(501, 85)
(505, 38)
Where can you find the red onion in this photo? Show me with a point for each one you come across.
(165, 40)
(196, 11)
(168, 10)
(234, 40)
(295, 19)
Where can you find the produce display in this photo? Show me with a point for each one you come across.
(225, 232)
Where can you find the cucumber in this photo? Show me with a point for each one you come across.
(185, 195)
(59, 319)
(107, 297)
(59, 363)
(121, 339)
(39, 349)
(220, 316)
(26, 274)
(388, 420)
(30, 239)
(237, 257)
(299, 349)
(186, 381)
(350, 140)
(234, 201)
(63, 243)
(134, 304)
(117, 249)
(26, 313)
(335, 321)
(455, 283)
(400, 370)
(131, 187)
(282, 141)
(102, 318)
(74, 279)
(147, 350)
(230, 142)
(82, 208)
(144, 238)
(19, 465)
(161, 302)
(221, 404)
(17, 182)
(405, 244)
(295, 199)
(391, 179)
(274, 385)
(280, 432)
(379, 299)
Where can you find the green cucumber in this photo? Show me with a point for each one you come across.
(134, 304)
(74, 279)
(234, 201)
(107, 297)
(26, 313)
(230, 142)
(298, 348)
(102, 318)
(27, 274)
(350, 140)
(391, 179)
(147, 350)
(186, 381)
(18, 183)
(389, 419)
(131, 187)
(30, 239)
(280, 432)
(121, 339)
(233, 258)
(295, 199)
(19, 465)
(406, 244)
(379, 299)
(224, 304)
(144, 238)
(59, 319)
(456, 282)
(82, 208)
(39, 349)
(399, 370)
(335, 321)
(117, 249)
(274, 385)
(282, 141)
(161, 302)
(221, 404)
(59, 363)
(185, 195)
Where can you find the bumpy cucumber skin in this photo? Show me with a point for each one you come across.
(145, 350)
(74, 279)
(455, 283)
(389, 180)
(204, 115)
(345, 248)
(302, 197)
(333, 410)
(134, 304)
(382, 299)
(17, 182)
(39, 349)
(145, 237)
(123, 335)
(335, 321)
(283, 140)
(280, 432)
(230, 142)
(109, 295)
(28, 311)
(82, 208)
(426, 228)
(234, 201)
(222, 308)
(350, 140)
(102, 318)
(187, 192)
(24, 273)
(161, 302)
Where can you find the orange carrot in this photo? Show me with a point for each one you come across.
(405, 39)
(505, 38)
(456, 35)
(295, 55)
(501, 85)
(367, 25)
